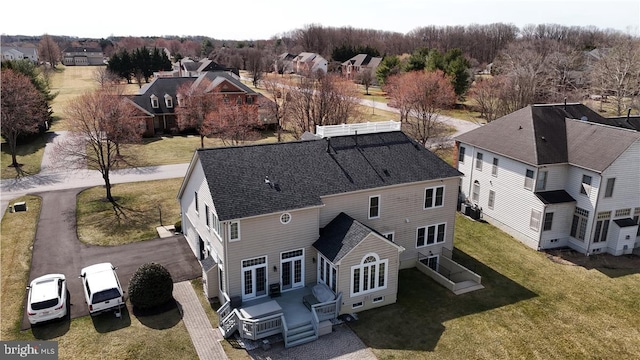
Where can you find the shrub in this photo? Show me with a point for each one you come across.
(178, 226)
(151, 286)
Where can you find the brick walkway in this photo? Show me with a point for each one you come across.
(205, 338)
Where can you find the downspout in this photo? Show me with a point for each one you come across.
(473, 157)
(595, 217)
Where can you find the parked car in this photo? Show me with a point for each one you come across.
(47, 298)
(102, 290)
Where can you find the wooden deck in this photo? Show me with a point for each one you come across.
(295, 312)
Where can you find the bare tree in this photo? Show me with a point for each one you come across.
(365, 78)
(618, 73)
(104, 77)
(322, 100)
(196, 109)
(487, 92)
(100, 122)
(256, 65)
(430, 93)
(278, 107)
(399, 91)
(24, 110)
(49, 50)
(235, 124)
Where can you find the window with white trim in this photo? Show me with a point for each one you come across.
(389, 235)
(479, 161)
(585, 187)
(359, 304)
(461, 152)
(378, 299)
(154, 102)
(196, 202)
(494, 168)
(234, 230)
(374, 207)
(579, 223)
(534, 221)
(285, 218)
(528, 179)
(602, 226)
(216, 224)
(541, 183)
(608, 192)
(547, 223)
(434, 197)
(492, 199)
(429, 235)
(327, 273)
(206, 215)
(370, 275)
(623, 212)
(249, 100)
(168, 100)
(475, 196)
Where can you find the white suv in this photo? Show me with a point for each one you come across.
(47, 298)
(102, 290)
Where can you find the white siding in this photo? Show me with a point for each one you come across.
(558, 236)
(513, 203)
(626, 171)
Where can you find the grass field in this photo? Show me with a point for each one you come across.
(531, 308)
(162, 336)
(141, 201)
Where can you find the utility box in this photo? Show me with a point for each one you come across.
(20, 206)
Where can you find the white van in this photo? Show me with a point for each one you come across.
(102, 290)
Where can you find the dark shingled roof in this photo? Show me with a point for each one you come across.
(300, 172)
(159, 87)
(549, 134)
(626, 222)
(554, 197)
(169, 85)
(630, 122)
(340, 236)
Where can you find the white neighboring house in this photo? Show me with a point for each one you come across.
(309, 62)
(19, 53)
(554, 176)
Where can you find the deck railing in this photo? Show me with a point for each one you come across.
(360, 128)
(327, 310)
(255, 329)
(229, 324)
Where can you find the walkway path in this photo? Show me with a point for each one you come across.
(205, 338)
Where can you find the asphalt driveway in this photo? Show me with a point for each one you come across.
(56, 249)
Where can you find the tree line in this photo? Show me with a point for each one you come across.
(140, 64)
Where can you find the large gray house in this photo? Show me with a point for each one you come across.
(331, 219)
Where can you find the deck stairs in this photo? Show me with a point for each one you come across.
(300, 334)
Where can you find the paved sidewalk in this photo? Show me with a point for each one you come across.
(205, 338)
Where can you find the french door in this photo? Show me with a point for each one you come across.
(292, 269)
(254, 278)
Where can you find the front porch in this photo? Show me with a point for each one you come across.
(285, 314)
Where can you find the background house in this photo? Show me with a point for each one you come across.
(307, 62)
(10, 52)
(555, 176)
(82, 56)
(157, 101)
(359, 63)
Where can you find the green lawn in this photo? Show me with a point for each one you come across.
(162, 336)
(531, 308)
(98, 225)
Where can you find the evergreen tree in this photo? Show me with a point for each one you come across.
(418, 60)
(390, 65)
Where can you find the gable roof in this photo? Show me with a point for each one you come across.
(267, 178)
(364, 60)
(549, 134)
(170, 85)
(83, 50)
(159, 87)
(342, 235)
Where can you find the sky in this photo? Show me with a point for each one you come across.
(264, 19)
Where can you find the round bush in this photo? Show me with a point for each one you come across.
(178, 226)
(150, 286)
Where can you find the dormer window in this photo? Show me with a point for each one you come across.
(154, 102)
(180, 100)
(168, 100)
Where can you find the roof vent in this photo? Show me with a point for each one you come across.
(584, 118)
(520, 127)
(268, 182)
(543, 138)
